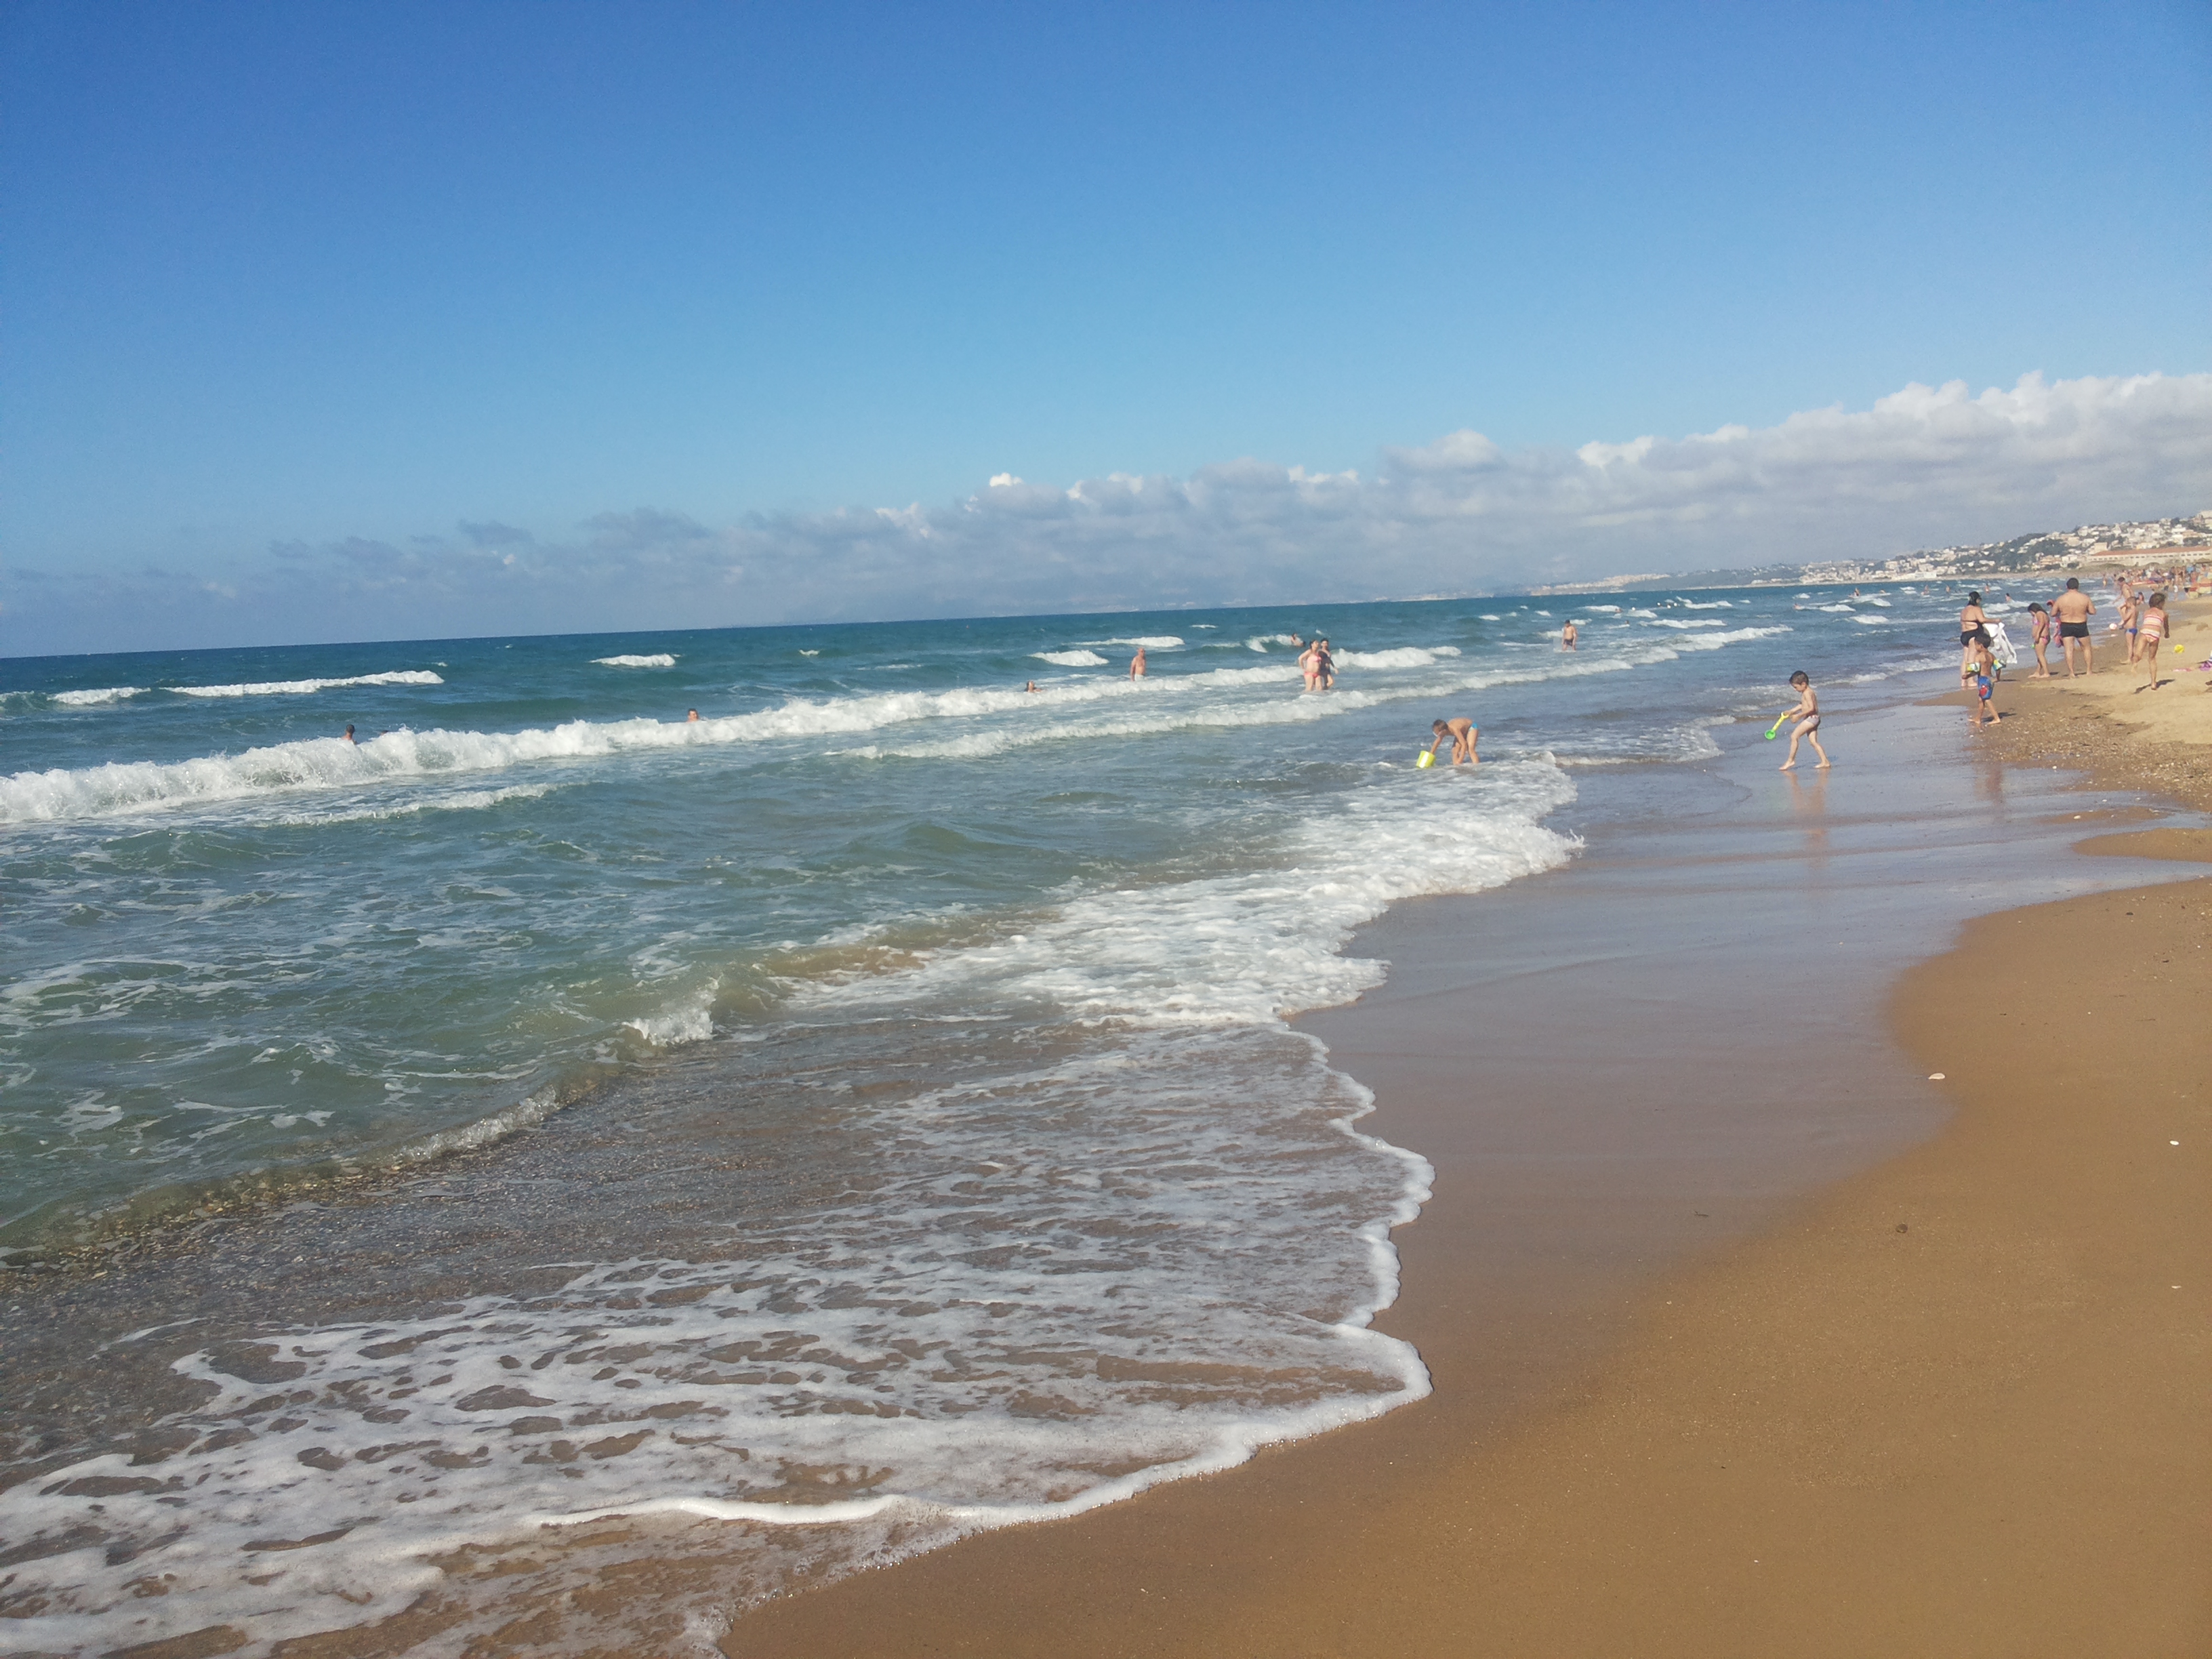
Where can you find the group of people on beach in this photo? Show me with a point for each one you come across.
(2144, 623)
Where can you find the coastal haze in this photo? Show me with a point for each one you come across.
(683, 913)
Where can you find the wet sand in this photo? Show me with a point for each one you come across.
(1949, 1405)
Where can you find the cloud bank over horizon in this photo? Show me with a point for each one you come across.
(1923, 467)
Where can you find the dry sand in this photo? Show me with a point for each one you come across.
(1961, 1404)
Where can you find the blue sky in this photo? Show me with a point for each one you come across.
(440, 279)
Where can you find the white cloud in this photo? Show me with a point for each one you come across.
(1924, 466)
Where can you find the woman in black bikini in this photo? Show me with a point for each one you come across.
(1973, 630)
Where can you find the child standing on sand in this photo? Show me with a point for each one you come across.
(2151, 621)
(2042, 625)
(1983, 684)
(1807, 715)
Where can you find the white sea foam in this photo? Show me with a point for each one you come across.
(1873, 622)
(999, 1330)
(1071, 659)
(1150, 641)
(1709, 605)
(104, 694)
(1262, 641)
(689, 1019)
(1402, 656)
(292, 688)
(1688, 622)
(1730, 637)
(658, 660)
(125, 787)
(460, 800)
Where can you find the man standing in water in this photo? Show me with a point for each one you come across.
(2074, 608)
(1567, 635)
(1137, 665)
(1463, 733)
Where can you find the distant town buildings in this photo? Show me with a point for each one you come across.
(2159, 542)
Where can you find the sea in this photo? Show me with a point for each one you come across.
(549, 1130)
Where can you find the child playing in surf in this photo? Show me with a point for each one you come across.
(1807, 716)
(1463, 733)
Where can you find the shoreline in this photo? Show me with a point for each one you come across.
(1469, 1523)
(1557, 1241)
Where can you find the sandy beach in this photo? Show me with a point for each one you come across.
(1925, 1376)
(2109, 727)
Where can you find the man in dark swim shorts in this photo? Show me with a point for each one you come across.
(2074, 608)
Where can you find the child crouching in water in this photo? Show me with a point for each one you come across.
(1807, 715)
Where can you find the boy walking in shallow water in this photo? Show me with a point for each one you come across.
(1807, 716)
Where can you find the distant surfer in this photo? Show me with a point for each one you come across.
(1137, 665)
(1567, 635)
(1463, 733)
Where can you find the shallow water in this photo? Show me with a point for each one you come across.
(889, 1122)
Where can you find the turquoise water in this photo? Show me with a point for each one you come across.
(898, 1055)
